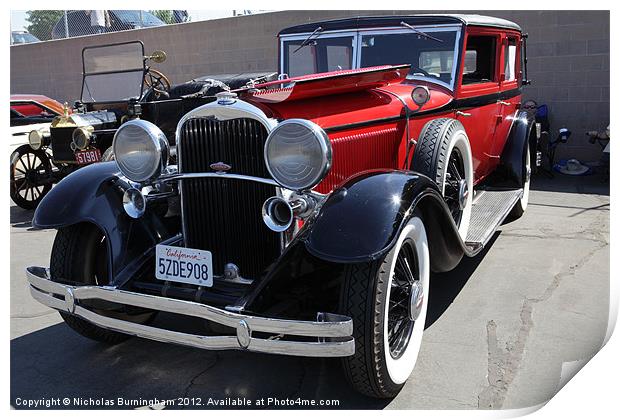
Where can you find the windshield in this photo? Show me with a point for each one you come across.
(318, 56)
(432, 57)
(113, 72)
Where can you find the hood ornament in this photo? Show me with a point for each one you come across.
(226, 98)
(220, 167)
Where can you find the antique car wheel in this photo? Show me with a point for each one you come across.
(519, 208)
(80, 257)
(387, 301)
(28, 168)
(443, 154)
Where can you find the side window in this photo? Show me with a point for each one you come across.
(510, 60)
(480, 59)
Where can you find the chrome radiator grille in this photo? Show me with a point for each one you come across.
(224, 215)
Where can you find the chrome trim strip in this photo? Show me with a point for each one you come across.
(177, 176)
(338, 328)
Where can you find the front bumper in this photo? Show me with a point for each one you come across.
(331, 333)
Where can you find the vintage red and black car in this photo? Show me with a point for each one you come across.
(304, 215)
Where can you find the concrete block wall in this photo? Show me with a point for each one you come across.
(568, 59)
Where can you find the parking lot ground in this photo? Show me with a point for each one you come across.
(501, 326)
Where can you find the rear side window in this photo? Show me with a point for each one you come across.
(510, 60)
(480, 59)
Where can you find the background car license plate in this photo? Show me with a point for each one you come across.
(84, 157)
(184, 265)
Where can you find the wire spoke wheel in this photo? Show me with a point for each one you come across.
(400, 320)
(452, 187)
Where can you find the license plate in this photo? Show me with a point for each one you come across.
(184, 265)
(84, 157)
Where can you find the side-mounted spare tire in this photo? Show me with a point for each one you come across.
(443, 153)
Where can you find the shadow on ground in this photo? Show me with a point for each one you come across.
(20, 218)
(558, 182)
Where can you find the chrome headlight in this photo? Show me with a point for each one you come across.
(298, 154)
(35, 139)
(141, 150)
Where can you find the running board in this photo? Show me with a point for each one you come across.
(489, 210)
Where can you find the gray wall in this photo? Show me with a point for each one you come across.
(568, 59)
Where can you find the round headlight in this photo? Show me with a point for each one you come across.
(298, 154)
(81, 137)
(141, 150)
(420, 95)
(35, 138)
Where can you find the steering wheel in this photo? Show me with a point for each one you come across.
(423, 72)
(157, 82)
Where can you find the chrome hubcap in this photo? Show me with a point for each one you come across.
(416, 300)
(463, 193)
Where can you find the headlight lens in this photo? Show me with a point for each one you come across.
(298, 154)
(141, 150)
(35, 139)
(81, 137)
(420, 95)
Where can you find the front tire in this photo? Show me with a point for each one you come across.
(443, 154)
(79, 257)
(387, 301)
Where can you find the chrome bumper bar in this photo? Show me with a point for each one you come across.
(331, 333)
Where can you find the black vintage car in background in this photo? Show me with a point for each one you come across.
(117, 86)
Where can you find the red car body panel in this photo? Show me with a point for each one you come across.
(26, 104)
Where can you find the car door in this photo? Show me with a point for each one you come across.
(477, 93)
(510, 93)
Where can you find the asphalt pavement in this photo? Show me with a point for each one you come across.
(501, 326)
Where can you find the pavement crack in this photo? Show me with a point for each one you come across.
(503, 363)
(193, 379)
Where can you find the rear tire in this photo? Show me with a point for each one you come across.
(79, 256)
(443, 154)
(521, 205)
(387, 334)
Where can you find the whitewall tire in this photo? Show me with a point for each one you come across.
(388, 302)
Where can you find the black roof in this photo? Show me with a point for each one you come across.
(361, 22)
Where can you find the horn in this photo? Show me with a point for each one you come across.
(277, 214)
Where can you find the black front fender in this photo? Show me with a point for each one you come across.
(94, 194)
(361, 220)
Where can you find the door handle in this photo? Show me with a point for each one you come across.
(462, 114)
(504, 103)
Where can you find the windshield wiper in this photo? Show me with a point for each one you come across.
(316, 32)
(419, 32)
